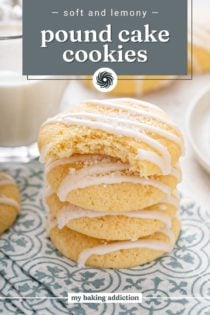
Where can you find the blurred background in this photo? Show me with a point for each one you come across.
(175, 99)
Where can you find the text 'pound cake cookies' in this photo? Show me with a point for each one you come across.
(112, 169)
(9, 201)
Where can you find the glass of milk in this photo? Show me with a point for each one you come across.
(24, 104)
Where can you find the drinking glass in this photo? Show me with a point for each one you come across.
(24, 104)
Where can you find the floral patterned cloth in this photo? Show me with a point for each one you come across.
(31, 268)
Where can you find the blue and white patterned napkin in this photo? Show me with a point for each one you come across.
(35, 277)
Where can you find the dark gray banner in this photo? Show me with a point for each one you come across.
(77, 37)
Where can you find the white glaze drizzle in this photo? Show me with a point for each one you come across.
(112, 103)
(154, 158)
(44, 151)
(176, 172)
(50, 165)
(100, 169)
(127, 127)
(110, 248)
(50, 224)
(136, 102)
(149, 156)
(107, 128)
(120, 121)
(121, 131)
(169, 234)
(71, 212)
(172, 200)
(71, 183)
(9, 202)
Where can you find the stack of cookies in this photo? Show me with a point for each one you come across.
(112, 168)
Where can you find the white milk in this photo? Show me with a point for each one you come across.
(24, 106)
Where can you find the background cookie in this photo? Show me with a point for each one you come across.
(201, 41)
(9, 201)
(72, 244)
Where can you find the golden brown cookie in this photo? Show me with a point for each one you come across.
(132, 131)
(9, 201)
(102, 183)
(99, 253)
(113, 226)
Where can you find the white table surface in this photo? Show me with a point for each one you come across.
(175, 100)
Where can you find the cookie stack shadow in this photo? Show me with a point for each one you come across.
(111, 176)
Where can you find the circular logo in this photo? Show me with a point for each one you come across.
(104, 80)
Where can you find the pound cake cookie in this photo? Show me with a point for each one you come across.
(102, 183)
(9, 201)
(100, 253)
(136, 86)
(113, 225)
(136, 132)
(111, 173)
